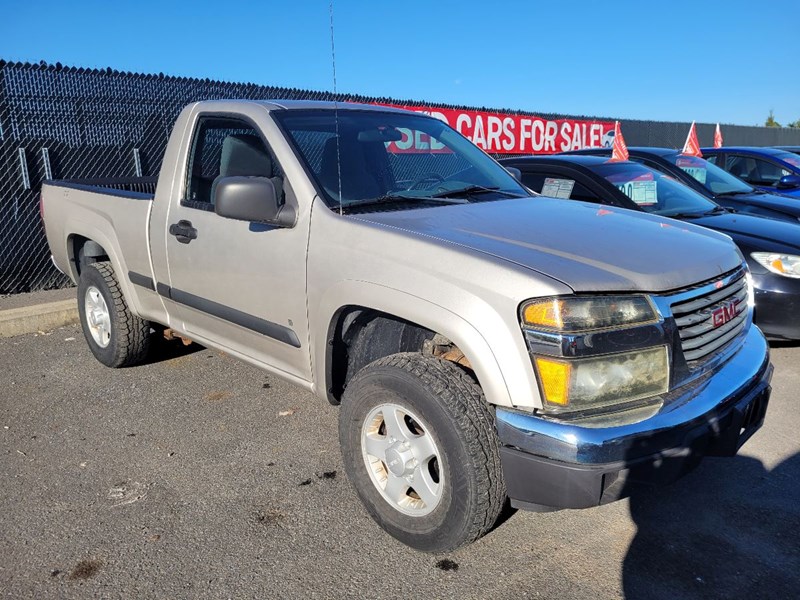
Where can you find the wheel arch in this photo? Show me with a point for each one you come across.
(82, 250)
(84, 247)
(408, 321)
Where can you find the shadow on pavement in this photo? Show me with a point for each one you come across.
(784, 344)
(729, 529)
(162, 349)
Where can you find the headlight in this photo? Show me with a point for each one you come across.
(573, 314)
(579, 384)
(586, 355)
(787, 265)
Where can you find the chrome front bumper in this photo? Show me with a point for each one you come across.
(557, 464)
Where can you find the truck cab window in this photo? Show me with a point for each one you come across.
(224, 147)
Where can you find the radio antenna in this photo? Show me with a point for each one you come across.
(336, 110)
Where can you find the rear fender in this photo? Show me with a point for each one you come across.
(100, 244)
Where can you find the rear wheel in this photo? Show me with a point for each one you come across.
(116, 336)
(419, 446)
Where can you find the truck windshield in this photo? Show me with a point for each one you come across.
(653, 191)
(717, 181)
(383, 157)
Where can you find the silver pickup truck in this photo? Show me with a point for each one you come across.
(484, 343)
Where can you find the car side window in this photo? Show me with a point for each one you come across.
(738, 165)
(534, 181)
(648, 163)
(581, 192)
(223, 147)
(712, 159)
(755, 171)
(560, 186)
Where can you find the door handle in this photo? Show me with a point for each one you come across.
(183, 231)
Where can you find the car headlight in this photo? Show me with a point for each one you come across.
(588, 383)
(597, 371)
(787, 265)
(573, 314)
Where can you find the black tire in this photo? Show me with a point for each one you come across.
(453, 409)
(129, 339)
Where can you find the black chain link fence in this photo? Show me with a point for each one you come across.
(69, 123)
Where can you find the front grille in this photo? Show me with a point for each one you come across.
(712, 318)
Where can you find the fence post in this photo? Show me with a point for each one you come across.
(23, 166)
(137, 162)
(48, 172)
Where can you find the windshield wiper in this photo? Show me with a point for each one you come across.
(474, 190)
(686, 215)
(734, 193)
(398, 199)
(717, 210)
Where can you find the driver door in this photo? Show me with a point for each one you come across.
(234, 284)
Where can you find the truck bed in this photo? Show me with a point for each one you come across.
(115, 213)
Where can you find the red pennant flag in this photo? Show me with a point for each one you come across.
(718, 137)
(692, 146)
(619, 151)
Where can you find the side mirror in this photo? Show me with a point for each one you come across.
(253, 199)
(515, 172)
(788, 181)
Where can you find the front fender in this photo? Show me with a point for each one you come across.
(497, 382)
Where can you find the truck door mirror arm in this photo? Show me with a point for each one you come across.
(253, 199)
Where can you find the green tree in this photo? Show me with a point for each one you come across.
(795, 125)
(771, 122)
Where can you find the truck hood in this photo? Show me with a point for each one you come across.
(588, 247)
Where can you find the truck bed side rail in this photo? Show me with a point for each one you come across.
(129, 187)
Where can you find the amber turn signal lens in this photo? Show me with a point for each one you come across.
(546, 313)
(555, 377)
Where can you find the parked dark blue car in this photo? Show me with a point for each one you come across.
(711, 181)
(770, 247)
(792, 149)
(768, 169)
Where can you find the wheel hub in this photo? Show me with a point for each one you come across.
(400, 459)
(98, 317)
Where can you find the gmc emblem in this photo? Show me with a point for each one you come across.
(725, 312)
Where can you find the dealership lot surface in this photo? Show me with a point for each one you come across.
(199, 476)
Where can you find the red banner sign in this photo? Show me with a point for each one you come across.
(501, 133)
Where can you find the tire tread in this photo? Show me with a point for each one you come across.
(132, 332)
(464, 400)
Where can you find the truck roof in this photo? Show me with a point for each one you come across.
(287, 104)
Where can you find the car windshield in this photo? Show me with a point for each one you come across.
(652, 191)
(788, 157)
(400, 159)
(716, 180)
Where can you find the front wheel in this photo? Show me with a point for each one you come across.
(419, 445)
(116, 336)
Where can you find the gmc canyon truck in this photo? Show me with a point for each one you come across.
(484, 343)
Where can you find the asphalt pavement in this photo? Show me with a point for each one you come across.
(198, 476)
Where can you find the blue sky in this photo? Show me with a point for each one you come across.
(728, 61)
